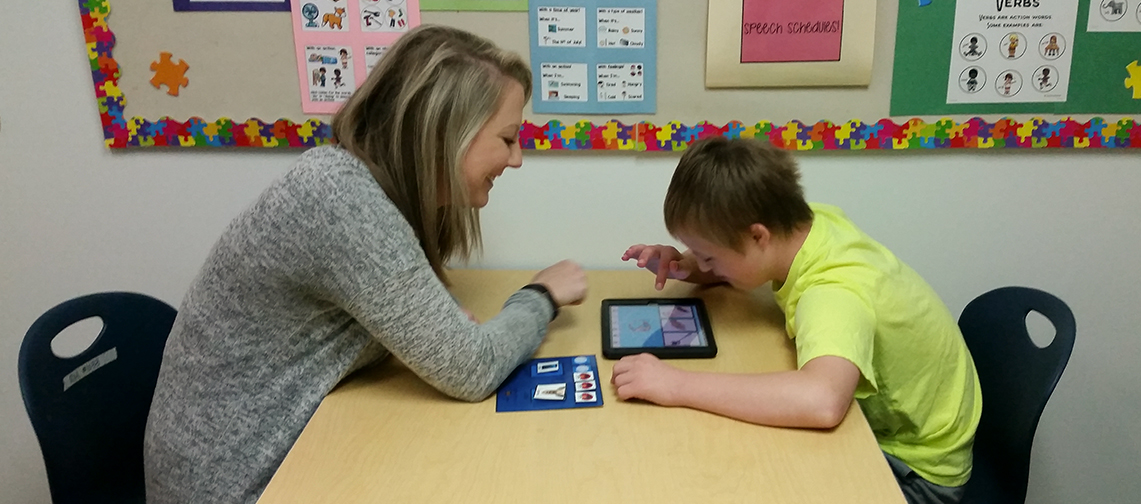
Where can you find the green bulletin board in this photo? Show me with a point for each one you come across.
(923, 55)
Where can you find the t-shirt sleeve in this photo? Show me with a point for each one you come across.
(363, 257)
(834, 321)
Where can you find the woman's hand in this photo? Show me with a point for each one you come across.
(565, 280)
(663, 261)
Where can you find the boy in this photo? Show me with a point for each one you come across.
(865, 325)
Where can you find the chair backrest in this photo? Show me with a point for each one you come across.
(1017, 378)
(90, 411)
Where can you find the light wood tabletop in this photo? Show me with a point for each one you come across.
(386, 436)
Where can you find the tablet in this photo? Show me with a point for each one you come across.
(670, 328)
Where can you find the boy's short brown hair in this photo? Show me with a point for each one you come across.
(723, 186)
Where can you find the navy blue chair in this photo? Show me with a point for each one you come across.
(90, 411)
(1017, 378)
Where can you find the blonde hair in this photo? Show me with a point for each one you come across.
(723, 186)
(412, 121)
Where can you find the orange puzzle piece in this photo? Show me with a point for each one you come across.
(166, 72)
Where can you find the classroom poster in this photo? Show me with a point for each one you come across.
(1114, 16)
(339, 41)
(762, 43)
(230, 5)
(1011, 51)
(473, 5)
(594, 56)
(791, 31)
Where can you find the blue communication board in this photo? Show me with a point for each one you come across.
(551, 383)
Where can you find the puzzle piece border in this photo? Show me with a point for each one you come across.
(612, 134)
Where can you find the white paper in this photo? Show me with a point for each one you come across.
(563, 82)
(562, 26)
(621, 82)
(621, 27)
(330, 74)
(1114, 16)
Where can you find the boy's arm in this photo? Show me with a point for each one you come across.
(815, 396)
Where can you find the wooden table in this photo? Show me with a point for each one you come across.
(386, 436)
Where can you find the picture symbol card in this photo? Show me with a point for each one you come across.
(551, 383)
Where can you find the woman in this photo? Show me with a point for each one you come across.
(341, 262)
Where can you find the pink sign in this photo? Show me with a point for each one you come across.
(788, 31)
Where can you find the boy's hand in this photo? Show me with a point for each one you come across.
(645, 377)
(662, 260)
(565, 280)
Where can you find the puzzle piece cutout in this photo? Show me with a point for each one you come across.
(568, 133)
(610, 131)
(629, 133)
(99, 18)
(871, 131)
(1094, 128)
(1026, 130)
(108, 66)
(690, 135)
(166, 72)
(790, 132)
(100, 6)
(734, 129)
(554, 130)
(1134, 80)
(583, 133)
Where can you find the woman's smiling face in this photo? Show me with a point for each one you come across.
(496, 146)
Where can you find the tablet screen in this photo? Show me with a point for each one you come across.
(656, 326)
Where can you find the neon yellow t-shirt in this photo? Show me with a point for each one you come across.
(848, 296)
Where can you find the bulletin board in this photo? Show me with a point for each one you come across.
(243, 91)
(1096, 77)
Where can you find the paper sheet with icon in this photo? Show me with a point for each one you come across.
(339, 41)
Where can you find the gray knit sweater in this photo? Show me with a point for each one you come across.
(319, 277)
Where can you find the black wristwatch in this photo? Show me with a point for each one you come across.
(540, 288)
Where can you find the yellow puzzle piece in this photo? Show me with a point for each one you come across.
(1134, 80)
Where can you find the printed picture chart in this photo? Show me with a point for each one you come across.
(339, 41)
(1011, 51)
(594, 56)
(1114, 16)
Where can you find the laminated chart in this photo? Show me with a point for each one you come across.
(594, 56)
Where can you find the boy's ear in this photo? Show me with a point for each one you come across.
(760, 234)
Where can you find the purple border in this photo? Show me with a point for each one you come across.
(189, 6)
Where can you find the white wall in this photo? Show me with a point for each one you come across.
(75, 218)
